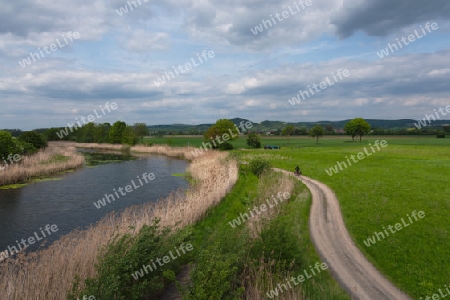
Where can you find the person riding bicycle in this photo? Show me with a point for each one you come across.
(297, 170)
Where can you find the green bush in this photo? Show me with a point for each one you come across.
(216, 273)
(254, 140)
(33, 138)
(7, 145)
(258, 166)
(125, 256)
(28, 148)
(226, 146)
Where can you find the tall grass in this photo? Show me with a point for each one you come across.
(42, 164)
(249, 260)
(49, 274)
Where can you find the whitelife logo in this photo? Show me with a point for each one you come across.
(187, 67)
(323, 86)
(391, 48)
(33, 56)
(225, 138)
(31, 240)
(281, 17)
(165, 260)
(398, 226)
(10, 158)
(428, 118)
(91, 118)
(263, 207)
(128, 189)
(360, 156)
(319, 267)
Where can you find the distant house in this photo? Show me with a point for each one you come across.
(270, 132)
(340, 131)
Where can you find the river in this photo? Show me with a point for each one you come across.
(68, 201)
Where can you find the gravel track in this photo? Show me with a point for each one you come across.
(346, 262)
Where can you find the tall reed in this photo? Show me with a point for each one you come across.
(49, 274)
(41, 164)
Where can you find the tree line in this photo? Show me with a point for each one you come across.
(28, 142)
(117, 133)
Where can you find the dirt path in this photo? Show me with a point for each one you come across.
(345, 261)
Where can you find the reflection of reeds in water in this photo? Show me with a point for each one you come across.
(41, 164)
(49, 274)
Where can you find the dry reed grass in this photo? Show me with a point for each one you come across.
(269, 186)
(49, 274)
(259, 275)
(260, 279)
(95, 146)
(36, 165)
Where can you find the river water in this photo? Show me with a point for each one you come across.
(68, 202)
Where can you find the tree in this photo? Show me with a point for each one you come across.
(51, 135)
(101, 134)
(223, 128)
(357, 127)
(7, 145)
(317, 131)
(116, 132)
(254, 140)
(33, 138)
(350, 129)
(329, 129)
(129, 136)
(86, 133)
(140, 130)
(288, 130)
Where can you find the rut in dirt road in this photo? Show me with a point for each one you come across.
(347, 264)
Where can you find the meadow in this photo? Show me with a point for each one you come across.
(410, 174)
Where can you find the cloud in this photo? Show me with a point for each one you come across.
(252, 75)
(383, 17)
(25, 17)
(141, 40)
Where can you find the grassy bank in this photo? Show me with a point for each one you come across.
(49, 161)
(408, 175)
(229, 260)
(250, 260)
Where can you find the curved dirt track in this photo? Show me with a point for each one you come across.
(345, 261)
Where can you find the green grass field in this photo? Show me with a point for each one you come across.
(410, 174)
(300, 141)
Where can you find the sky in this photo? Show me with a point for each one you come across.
(197, 61)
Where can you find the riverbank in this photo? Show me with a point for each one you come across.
(54, 159)
(51, 272)
(179, 152)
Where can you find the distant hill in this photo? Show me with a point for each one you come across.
(273, 125)
(267, 125)
(189, 128)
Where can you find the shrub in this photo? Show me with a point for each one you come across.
(127, 255)
(441, 136)
(258, 166)
(7, 145)
(28, 148)
(254, 140)
(33, 138)
(226, 146)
